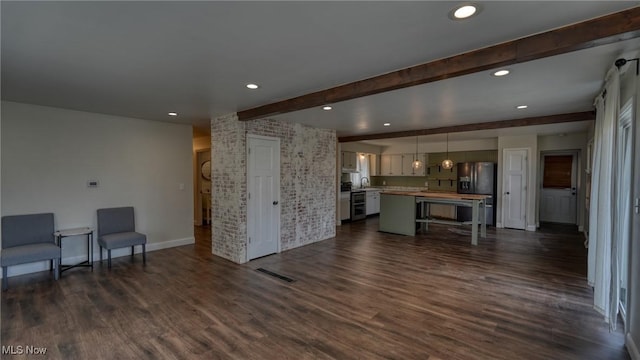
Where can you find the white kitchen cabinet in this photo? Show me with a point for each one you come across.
(374, 165)
(422, 171)
(407, 165)
(401, 165)
(373, 202)
(396, 165)
(385, 165)
(349, 161)
(345, 206)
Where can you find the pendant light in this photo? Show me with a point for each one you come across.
(447, 163)
(417, 164)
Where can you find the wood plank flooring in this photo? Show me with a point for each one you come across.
(362, 295)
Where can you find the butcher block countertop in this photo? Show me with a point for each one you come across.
(439, 195)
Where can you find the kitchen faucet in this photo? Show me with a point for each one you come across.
(362, 181)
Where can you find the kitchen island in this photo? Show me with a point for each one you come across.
(401, 211)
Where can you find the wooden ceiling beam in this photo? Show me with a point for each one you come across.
(607, 29)
(492, 125)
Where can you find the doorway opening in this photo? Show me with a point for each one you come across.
(203, 188)
(202, 208)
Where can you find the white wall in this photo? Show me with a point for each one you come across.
(518, 142)
(49, 154)
(568, 142)
(464, 145)
(360, 147)
(576, 141)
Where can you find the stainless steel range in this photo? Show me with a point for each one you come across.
(345, 186)
(358, 205)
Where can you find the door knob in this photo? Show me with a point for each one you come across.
(507, 193)
(275, 203)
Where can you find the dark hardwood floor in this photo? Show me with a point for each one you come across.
(362, 295)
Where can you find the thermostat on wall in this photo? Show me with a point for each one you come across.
(93, 183)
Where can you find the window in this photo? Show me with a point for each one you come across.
(557, 171)
(362, 166)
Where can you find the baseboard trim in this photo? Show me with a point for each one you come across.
(531, 228)
(44, 265)
(499, 225)
(632, 348)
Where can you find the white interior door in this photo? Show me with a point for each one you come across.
(263, 187)
(558, 197)
(514, 185)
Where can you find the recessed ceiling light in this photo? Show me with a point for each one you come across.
(172, 114)
(522, 107)
(253, 86)
(327, 107)
(502, 72)
(464, 11)
(387, 124)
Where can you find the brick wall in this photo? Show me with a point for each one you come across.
(307, 183)
(228, 188)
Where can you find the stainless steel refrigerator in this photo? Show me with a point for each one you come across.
(478, 178)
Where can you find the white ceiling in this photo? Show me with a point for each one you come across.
(144, 59)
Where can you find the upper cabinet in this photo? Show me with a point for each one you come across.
(349, 161)
(400, 165)
(385, 165)
(391, 165)
(407, 165)
(431, 167)
(374, 165)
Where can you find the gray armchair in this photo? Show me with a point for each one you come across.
(26, 239)
(116, 229)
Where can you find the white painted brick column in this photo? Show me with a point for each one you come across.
(307, 183)
(228, 188)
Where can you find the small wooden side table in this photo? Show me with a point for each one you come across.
(60, 234)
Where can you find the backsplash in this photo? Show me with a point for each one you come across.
(411, 181)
